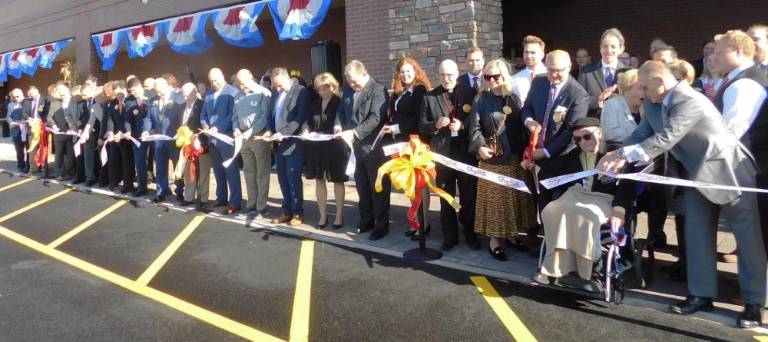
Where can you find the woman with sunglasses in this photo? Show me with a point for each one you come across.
(409, 84)
(498, 138)
(573, 218)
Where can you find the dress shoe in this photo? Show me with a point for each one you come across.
(295, 220)
(231, 210)
(360, 230)
(692, 304)
(281, 219)
(415, 236)
(410, 232)
(751, 317)
(378, 233)
(448, 245)
(220, 204)
(321, 225)
(540, 278)
(497, 253)
(158, 199)
(79, 181)
(674, 267)
(184, 203)
(90, 183)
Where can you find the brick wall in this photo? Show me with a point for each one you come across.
(685, 24)
(433, 30)
(368, 36)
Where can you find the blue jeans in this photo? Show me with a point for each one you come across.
(226, 177)
(289, 170)
(140, 161)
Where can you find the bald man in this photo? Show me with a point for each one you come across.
(19, 129)
(217, 116)
(441, 122)
(553, 104)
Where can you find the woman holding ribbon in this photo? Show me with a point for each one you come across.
(409, 84)
(326, 161)
(498, 138)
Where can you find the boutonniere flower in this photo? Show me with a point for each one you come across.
(559, 114)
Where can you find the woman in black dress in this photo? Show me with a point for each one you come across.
(326, 160)
(409, 84)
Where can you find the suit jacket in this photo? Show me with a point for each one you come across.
(592, 78)
(65, 118)
(466, 82)
(113, 118)
(193, 122)
(166, 120)
(219, 113)
(135, 115)
(292, 117)
(436, 106)
(43, 106)
(252, 111)
(694, 132)
(93, 117)
(406, 113)
(16, 115)
(366, 117)
(572, 96)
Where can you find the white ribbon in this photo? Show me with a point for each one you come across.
(76, 147)
(156, 137)
(103, 154)
(223, 138)
(135, 142)
(57, 132)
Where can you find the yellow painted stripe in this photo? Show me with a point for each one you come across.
(83, 226)
(166, 255)
(762, 338)
(301, 299)
(193, 310)
(502, 310)
(11, 186)
(33, 205)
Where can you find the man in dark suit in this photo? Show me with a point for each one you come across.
(217, 117)
(119, 150)
(134, 115)
(473, 79)
(64, 119)
(361, 115)
(288, 108)
(442, 124)
(164, 118)
(92, 114)
(599, 78)
(17, 121)
(553, 104)
(687, 125)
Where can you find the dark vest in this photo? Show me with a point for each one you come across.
(752, 73)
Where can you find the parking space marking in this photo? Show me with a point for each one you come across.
(302, 297)
(166, 255)
(10, 186)
(180, 305)
(502, 310)
(34, 205)
(83, 226)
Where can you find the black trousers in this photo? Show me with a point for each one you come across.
(654, 202)
(448, 179)
(65, 155)
(762, 205)
(114, 164)
(126, 154)
(374, 206)
(22, 163)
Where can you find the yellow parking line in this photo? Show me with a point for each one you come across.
(301, 299)
(83, 226)
(502, 310)
(33, 205)
(10, 186)
(166, 255)
(190, 309)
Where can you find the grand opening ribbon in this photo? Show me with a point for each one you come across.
(39, 140)
(528, 153)
(412, 170)
(187, 141)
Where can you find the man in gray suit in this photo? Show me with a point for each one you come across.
(251, 122)
(689, 127)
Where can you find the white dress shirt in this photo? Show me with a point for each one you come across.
(742, 101)
(521, 81)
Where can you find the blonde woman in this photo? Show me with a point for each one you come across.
(497, 137)
(326, 161)
(621, 114)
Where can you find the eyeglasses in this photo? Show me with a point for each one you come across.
(586, 137)
(492, 77)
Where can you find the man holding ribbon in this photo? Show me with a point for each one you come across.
(63, 123)
(686, 124)
(134, 117)
(163, 120)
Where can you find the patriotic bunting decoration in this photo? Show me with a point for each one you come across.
(237, 25)
(23, 62)
(298, 19)
(187, 34)
(107, 45)
(3, 67)
(48, 52)
(143, 39)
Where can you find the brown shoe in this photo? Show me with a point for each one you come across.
(296, 220)
(281, 219)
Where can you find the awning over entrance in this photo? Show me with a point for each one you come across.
(293, 19)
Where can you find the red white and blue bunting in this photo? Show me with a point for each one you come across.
(48, 52)
(26, 61)
(298, 19)
(3, 67)
(23, 62)
(187, 34)
(293, 19)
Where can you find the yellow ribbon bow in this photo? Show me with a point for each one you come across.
(411, 170)
(36, 129)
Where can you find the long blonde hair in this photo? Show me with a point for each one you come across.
(504, 71)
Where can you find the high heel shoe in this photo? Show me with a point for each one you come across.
(497, 253)
(415, 235)
(337, 226)
(322, 225)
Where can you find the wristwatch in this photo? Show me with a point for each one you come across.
(620, 153)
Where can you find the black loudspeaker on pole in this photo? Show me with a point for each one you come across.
(326, 57)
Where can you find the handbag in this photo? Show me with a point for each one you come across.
(494, 141)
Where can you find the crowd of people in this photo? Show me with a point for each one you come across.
(704, 121)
